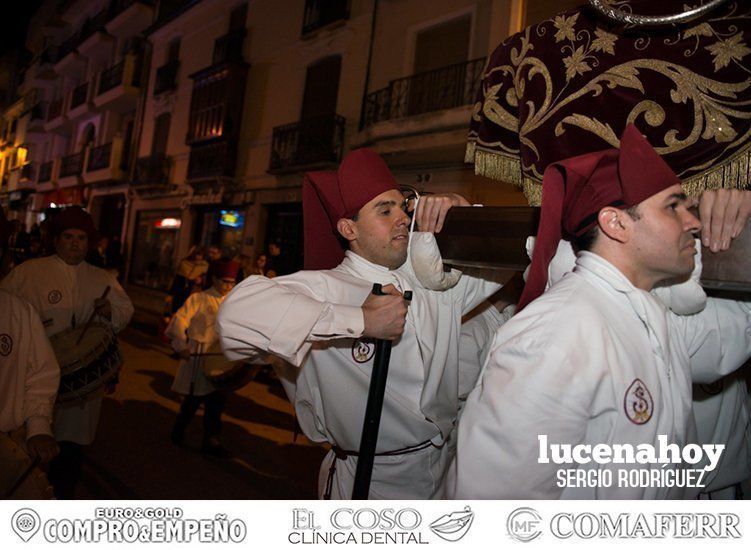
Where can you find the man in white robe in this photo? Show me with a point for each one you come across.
(325, 321)
(29, 373)
(192, 334)
(597, 360)
(65, 290)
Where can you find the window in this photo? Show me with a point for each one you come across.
(443, 45)
(153, 255)
(207, 107)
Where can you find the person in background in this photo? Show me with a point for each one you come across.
(66, 291)
(191, 333)
(215, 257)
(189, 277)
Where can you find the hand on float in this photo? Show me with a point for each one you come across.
(432, 209)
(42, 446)
(385, 315)
(723, 214)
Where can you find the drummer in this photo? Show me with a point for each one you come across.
(192, 334)
(65, 291)
(29, 374)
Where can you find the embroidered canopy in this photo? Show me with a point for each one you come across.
(569, 85)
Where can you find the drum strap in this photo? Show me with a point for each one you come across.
(341, 454)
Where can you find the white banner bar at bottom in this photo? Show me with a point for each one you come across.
(437, 524)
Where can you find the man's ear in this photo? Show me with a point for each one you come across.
(615, 223)
(347, 229)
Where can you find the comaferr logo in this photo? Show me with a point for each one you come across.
(523, 524)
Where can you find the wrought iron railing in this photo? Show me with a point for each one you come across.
(79, 95)
(93, 24)
(211, 159)
(309, 142)
(99, 157)
(38, 111)
(443, 88)
(45, 172)
(55, 109)
(111, 78)
(68, 46)
(319, 13)
(71, 165)
(27, 172)
(166, 77)
(152, 170)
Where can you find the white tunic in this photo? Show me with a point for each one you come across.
(63, 294)
(313, 319)
(192, 328)
(568, 367)
(29, 373)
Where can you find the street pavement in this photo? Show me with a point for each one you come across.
(133, 458)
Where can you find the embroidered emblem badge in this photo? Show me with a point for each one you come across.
(363, 350)
(6, 344)
(54, 296)
(638, 403)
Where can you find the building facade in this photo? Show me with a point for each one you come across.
(192, 122)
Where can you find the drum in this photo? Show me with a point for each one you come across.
(88, 366)
(224, 374)
(19, 478)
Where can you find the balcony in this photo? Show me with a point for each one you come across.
(36, 118)
(118, 87)
(55, 110)
(445, 88)
(314, 143)
(71, 167)
(152, 171)
(79, 101)
(166, 78)
(44, 70)
(129, 17)
(93, 40)
(68, 60)
(44, 174)
(104, 164)
(213, 159)
(56, 121)
(321, 13)
(20, 177)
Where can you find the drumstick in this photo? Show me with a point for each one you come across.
(24, 475)
(91, 319)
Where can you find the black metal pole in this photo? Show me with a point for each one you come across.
(376, 392)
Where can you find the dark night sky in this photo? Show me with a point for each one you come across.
(14, 23)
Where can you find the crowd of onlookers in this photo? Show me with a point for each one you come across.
(196, 272)
(26, 245)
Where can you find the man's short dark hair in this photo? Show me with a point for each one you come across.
(587, 241)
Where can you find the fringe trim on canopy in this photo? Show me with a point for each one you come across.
(734, 173)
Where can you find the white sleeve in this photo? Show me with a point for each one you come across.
(177, 329)
(283, 317)
(474, 290)
(718, 339)
(474, 344)
(122, 307)
(518, 397)
(42, 379)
